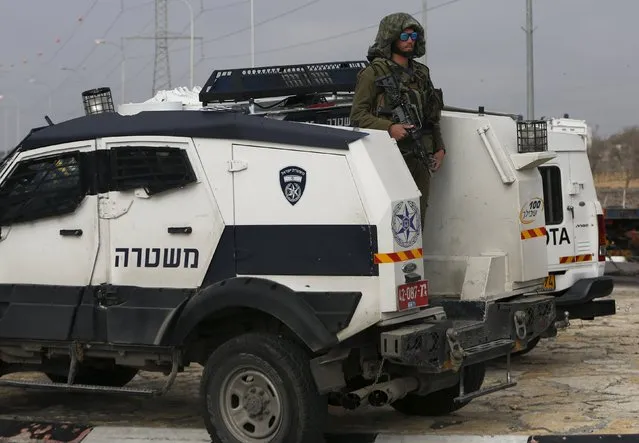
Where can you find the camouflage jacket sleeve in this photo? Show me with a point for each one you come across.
(434, 115)
(364, 102)
(438, 141)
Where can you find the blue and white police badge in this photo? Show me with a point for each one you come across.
(406, 223)
(293, 183)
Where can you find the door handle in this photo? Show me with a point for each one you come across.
(571, 208)
(71, 232)
(180, 230)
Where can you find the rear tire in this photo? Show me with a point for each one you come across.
(258, 387)
(442, 402)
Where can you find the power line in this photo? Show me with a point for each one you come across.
(140, 5)
(93, 49)
(441, 5)
(108, 62)
(86, 14)
(161, 72)
(230, 34)
(276, 17)
(66, 41)
(239, 31)
(151, 61)
(226, 6)
(104, 65)
(108, 30)
(118, 65)
(294, 45)
(214, 8)
(320, 40)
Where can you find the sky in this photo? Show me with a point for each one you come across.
(585, 51)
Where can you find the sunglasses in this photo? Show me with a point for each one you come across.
(405, 36)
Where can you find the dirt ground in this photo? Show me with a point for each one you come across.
(585, 380)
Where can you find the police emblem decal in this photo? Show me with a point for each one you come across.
(293, 183)
(406, 223)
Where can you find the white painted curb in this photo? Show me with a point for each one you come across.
(110, 434)
(451, 439)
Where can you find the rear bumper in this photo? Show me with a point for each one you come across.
(586, 290)
(589, 310)
(579, 301)
(442, 345)
(530, 316)
(520, 320)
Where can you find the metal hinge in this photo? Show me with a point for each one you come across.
(576, 188)
(237, 165)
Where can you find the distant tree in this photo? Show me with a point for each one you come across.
(624, 148)
(597, 151)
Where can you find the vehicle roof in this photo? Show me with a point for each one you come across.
(198, 124)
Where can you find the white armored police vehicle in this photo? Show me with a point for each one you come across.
(565, 215)
(575, 224)
(285, 258)
(471, 259)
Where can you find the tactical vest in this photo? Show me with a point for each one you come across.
(417, 89)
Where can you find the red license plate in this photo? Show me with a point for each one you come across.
(412, 295)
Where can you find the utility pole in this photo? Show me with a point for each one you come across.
(162, 69)
(252, 35)
(530, 89)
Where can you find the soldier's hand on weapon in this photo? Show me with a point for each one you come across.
(398, 130)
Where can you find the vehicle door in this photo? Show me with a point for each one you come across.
(298, 187)
(49, 237)
(163, 226)
(559, 222)
(583, 209)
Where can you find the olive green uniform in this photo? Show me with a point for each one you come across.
(415, 85)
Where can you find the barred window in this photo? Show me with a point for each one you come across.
(42, 188)
(155, 169)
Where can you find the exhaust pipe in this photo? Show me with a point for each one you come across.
(356, 399)
(386, 393)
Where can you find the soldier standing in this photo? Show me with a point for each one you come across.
(400, 39)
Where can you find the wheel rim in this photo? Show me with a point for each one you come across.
(251, 406)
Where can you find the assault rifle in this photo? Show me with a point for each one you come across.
(404, 113)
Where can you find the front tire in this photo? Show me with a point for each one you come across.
(442, 402)
(258, 387)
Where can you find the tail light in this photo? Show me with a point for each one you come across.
(601, 225)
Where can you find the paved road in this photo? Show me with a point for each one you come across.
(585, 380)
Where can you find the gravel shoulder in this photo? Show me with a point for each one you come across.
(585, 380)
